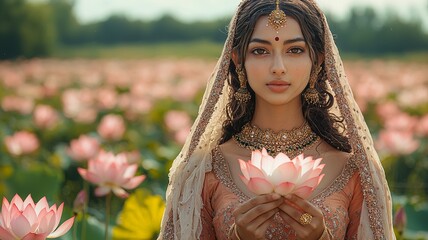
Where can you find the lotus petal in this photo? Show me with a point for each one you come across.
(102, 191)
(120, 192)
(303, 192)
(284, 188)
(280, 159)
(256, 158)
(20, 226)
(286, 172)
(255, 172)
(130, 171)
(65, 226)
(244, 169)
(313, 182)
(260, 186)
(244, 179)
(34, 236)
(6, 235)
(134, 182)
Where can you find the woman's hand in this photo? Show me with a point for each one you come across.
(252, 218)
(308, 227)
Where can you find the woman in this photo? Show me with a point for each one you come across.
(280, 75)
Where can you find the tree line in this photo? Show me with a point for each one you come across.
(34, 29)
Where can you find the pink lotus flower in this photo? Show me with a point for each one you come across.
(396, 142)
(29, 221)
(17, 104)
(401, 122)
(83, 148)
(264, 174)
(80, 201)
(177, 120)
(45, 116)
(179, 123)
(112, 127)
(181, 135)
(107, 98)
(22, 143)
(111, 173)
(387, 110)
(400, 219)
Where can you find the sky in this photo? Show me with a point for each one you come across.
(191, 10)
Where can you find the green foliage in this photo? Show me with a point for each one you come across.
(65, 22)
(118, 29)
(11, 11)
(364, 32)
(94, 229)
(199, 49)
(34, 29)
(37, 32)
(34, 175)
(26, 29)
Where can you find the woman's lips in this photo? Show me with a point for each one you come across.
(278, 86)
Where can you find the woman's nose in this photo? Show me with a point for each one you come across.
(278, 65)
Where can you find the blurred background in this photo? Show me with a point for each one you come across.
(77, 76)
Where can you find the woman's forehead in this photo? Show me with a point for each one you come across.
(262, 30)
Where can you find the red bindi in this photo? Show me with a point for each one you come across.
(277, 39)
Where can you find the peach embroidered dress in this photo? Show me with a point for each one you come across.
(340, 203)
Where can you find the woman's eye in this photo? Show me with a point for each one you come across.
(259, 51)
(296, 50)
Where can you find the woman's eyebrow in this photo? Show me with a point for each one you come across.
(263, 41)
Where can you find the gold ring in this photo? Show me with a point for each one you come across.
(305, 219)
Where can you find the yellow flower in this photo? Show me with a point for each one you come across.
(5, 173)
(140, 217)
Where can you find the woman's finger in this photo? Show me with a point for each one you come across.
(291, 211)
(306, 219)
(256, 229)
(257, 211)
(297, 226)
(255, 202)
(312, 230)
(302, 204)
(261, 218)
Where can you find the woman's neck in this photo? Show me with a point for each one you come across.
(278, 117)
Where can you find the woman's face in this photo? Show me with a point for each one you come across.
(278, 65)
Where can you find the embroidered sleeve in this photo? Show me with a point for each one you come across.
(355, 207)
(207, 212)
(168, 232)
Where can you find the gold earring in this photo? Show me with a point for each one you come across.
(242, 95)
(311, 95)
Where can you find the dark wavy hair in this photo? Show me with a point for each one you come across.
(323, 123)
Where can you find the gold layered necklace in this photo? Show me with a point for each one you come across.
(291, 143)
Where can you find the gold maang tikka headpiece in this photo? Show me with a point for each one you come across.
(277, 18)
